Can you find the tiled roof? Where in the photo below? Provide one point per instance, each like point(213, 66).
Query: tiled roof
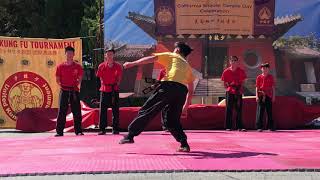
point(287, 19)
point(141, 17)
point(284, 24)
point(146, 23)
point(302, 52)
point(133, 52)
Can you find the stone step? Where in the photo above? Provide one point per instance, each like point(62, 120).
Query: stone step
point(210, 87)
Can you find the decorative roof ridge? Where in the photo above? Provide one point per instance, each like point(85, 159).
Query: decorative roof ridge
point(140, 46)
point(287, 19)
point(134, 15)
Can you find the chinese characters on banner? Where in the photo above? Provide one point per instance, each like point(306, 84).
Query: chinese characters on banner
point(220, 16)
point(240, 17)
point(27, 78)
point(217, 37)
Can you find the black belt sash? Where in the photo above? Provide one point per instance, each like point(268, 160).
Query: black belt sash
point(154, 84)
point(72, 92)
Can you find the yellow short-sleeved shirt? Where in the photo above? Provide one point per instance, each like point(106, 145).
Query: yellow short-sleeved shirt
point(177, 68)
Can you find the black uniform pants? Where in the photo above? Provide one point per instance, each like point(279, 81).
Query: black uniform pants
point(170, 95)
point(261, 107)
point(109, 100)
point(233, 101)
point(164, 119)
point(66, 98)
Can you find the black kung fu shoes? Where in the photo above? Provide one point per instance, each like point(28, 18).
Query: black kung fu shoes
point(184, 147)
point(127, 139)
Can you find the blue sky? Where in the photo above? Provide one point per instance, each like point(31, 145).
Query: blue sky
point(310, 11)
point(118, 28)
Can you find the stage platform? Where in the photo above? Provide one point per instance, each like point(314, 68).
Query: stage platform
point(43, 154)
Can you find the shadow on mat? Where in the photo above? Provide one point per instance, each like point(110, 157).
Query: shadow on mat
point(16, 132)
point(186, 131)
point(209, 155)
point(205, 131)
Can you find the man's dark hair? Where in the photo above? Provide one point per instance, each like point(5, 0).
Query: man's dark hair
point(111, 49)
point(266, 65)
point(235, 58)
point(69, 48)
point(185, 50)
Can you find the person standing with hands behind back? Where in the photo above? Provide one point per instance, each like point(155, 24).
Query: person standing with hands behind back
point(233, 78)
point(68, 76)
point(265, 96)
point(110, 74)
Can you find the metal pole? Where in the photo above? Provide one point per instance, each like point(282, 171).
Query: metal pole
point(100, 23)
point(207, 63)
point(98, 51)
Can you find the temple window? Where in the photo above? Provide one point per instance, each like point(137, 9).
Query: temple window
point(252, 59)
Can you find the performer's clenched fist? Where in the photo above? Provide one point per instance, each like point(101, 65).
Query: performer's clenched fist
point(127, 65)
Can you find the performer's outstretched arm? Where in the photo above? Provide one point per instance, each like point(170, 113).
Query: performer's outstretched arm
point(144, 60)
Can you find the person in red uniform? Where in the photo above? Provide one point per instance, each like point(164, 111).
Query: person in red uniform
point(265, 96)
point(68, 76)
point(110, 74)
point(233, 78)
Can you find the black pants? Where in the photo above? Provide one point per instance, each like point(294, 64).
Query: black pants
point(261, 107)
point(170, 95)
point(164, 118)
point(66, 98)
point(105, 103)
point(233, 101)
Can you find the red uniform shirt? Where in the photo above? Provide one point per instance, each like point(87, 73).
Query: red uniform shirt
point(68, 75)
point(234, 79)
point(109, 75)
point(265, 84)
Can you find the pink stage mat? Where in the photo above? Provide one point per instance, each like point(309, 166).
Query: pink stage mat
point(155, 152)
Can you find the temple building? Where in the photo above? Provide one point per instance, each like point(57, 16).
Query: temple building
point(295, 69)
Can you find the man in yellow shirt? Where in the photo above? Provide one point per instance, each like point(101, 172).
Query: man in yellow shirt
point(175, 92)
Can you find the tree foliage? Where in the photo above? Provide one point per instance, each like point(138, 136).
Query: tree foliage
point(52, 19)
point(90, 28)
point(310, 41)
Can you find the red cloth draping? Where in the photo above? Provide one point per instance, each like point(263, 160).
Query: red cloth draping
point(288, 113)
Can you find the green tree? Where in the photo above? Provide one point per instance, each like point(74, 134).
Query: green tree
point(92, 28)
point(54, 19)
point(63, 18)
point(18, 18)
point(44, 18)
point(309, 41)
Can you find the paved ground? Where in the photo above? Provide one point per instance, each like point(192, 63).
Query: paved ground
point(183, 176)
point(168, 176)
